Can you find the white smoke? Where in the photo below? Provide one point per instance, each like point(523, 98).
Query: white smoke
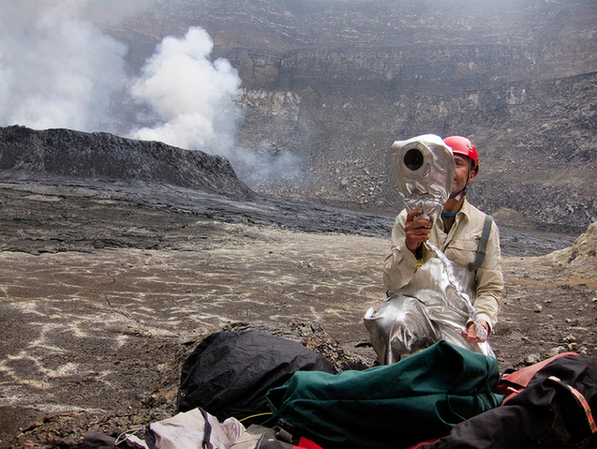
point(263, 167)
point(59, 70)
point(56, 69)
point(192, 97)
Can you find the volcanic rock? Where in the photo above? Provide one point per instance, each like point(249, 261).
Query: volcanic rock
point(104, 156)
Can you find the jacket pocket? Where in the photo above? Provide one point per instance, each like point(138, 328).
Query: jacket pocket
point(462, 251)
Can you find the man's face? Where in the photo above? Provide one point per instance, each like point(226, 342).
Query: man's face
point(463, 174)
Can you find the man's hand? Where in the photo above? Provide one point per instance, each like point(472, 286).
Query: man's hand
point(470, 334)
point(417, 231)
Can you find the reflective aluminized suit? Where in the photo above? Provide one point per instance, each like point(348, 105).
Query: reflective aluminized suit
point(425, 308)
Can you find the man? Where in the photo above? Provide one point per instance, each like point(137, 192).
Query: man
point(458, 234)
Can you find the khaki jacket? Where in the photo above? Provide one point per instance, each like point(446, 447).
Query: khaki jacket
point(460, 246)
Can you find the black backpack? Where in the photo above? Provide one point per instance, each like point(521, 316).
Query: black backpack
point(555, 410)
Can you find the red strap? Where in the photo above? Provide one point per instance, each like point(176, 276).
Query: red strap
point(305, 443)
point(422, 443)
point(514, 383)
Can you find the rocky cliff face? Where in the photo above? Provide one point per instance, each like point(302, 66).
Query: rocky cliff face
point(104, 156)
point(536, 141)
point(336, 82)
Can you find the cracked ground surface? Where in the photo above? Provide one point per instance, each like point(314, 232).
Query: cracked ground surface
point(103, 290)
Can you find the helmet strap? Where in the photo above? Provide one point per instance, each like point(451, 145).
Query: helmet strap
point(458, 196)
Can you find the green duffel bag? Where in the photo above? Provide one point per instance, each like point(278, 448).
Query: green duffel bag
point(391, 406)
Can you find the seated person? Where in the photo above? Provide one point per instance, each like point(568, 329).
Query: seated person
point(422, 317)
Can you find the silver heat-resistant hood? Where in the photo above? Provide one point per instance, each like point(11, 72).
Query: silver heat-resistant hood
point(424, 170)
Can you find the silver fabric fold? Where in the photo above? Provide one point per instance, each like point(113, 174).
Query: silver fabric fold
point(425, 311)
point(456, 287)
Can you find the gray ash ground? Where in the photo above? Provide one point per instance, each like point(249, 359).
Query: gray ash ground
point(105, 287)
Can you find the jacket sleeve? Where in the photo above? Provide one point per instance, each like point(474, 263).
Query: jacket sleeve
point(400, 262)
point(490, 280)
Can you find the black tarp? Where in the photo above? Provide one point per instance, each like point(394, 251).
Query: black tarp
point(229, 373)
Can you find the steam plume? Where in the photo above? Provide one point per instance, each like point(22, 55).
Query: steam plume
point(192, 97)
point(56, 69)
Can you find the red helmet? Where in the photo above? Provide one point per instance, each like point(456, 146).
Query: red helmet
point(461, 145)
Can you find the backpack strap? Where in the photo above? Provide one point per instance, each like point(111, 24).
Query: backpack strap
point(513, 382)
point(481, 250)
